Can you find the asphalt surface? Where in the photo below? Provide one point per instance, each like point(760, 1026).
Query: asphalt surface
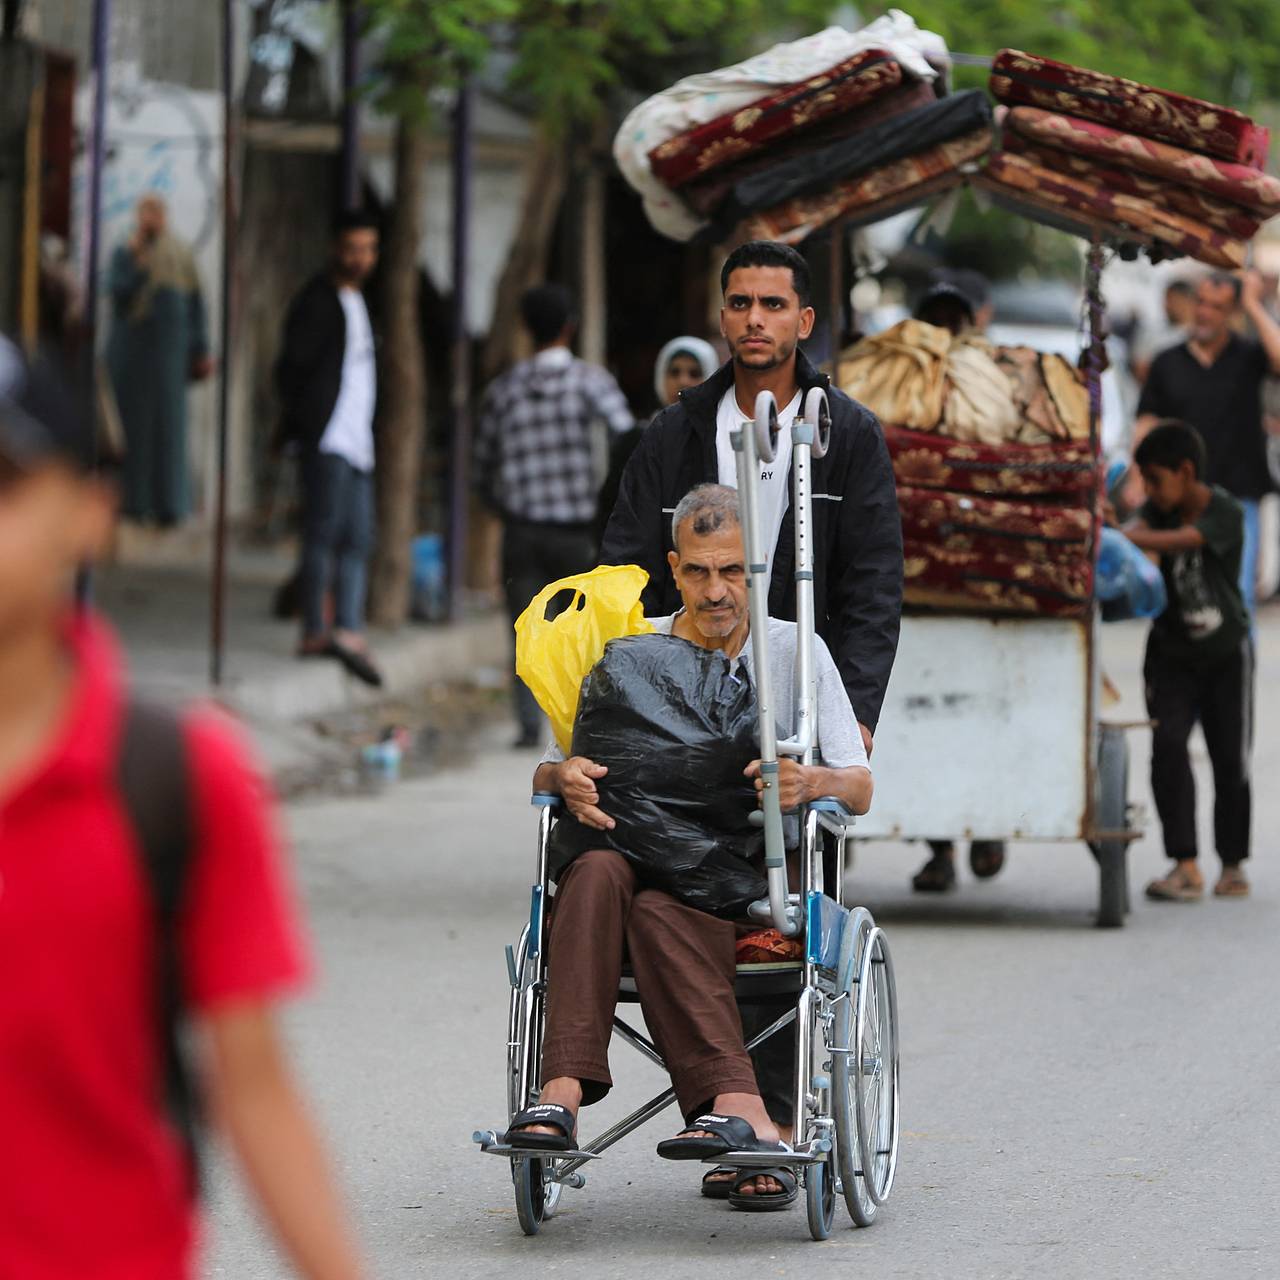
point(1076, 1102)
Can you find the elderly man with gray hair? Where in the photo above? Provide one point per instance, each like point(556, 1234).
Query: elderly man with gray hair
point(683, 959)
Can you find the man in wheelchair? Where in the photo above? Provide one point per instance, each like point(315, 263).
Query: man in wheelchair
point(682, 958)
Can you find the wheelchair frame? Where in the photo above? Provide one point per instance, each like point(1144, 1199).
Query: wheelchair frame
point(847, 1062)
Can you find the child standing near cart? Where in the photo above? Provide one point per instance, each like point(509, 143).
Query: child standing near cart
point(1199, 660)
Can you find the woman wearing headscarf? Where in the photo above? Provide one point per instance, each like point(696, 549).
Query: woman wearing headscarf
point(683, 362)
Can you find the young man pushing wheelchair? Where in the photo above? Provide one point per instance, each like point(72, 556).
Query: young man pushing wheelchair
point(682, 957)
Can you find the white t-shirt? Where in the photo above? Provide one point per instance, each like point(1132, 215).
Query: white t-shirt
point(349, 432)
point(775, 491)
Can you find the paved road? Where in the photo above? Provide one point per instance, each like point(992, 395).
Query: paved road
point(1076, 1102)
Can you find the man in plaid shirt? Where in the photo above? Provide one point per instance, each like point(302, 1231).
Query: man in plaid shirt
point(534, 462)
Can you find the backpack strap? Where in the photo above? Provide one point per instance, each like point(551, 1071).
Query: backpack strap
point(154, 784)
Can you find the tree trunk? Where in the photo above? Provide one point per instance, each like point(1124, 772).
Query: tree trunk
point(403, 388)
point(527, 261)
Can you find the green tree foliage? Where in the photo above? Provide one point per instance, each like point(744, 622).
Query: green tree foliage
point(571, 54)
point(1227, 51)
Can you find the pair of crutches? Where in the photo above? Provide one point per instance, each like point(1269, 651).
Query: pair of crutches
point(753, 444)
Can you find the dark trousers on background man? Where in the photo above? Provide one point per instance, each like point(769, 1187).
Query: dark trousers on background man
point(532, 556)
point(337, 536)
point(1220, 697)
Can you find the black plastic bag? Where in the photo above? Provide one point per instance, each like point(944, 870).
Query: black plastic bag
point(676, 731)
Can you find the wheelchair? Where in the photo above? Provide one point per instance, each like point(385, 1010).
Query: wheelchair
point(845, 1015)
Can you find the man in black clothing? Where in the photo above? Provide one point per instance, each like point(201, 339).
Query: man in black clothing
point(327, 378)
point(1213, 381)
point(857, 530)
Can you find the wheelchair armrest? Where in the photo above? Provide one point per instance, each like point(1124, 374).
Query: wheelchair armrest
point(546, 800)
point(833, 815)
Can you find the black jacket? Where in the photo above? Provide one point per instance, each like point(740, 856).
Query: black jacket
point(858, 543)
point(308, 370)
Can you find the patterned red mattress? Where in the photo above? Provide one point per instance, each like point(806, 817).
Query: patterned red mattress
point(792, 109)
point(926, 460)
point(971, 552)
point(1064, 193)
point(1024, 78)
point(1236, 183)
point(1222, 215)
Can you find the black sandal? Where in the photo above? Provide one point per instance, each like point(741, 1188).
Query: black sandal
point(730, 1133)
point(548, 1113)
point(770, 1200)
point(986, 858)
point(936, 876)
point(722, 1187)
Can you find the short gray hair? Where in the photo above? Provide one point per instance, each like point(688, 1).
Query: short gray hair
point(709, 506)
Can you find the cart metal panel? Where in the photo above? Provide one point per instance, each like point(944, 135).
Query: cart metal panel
point(987, 731)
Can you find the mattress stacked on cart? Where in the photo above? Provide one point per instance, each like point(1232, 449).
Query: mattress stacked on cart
point(856, 115)
point(1184, 176)
point(995, 471)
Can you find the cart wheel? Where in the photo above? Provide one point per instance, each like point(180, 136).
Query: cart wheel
point(820, 1197)
point(531, 1197)
point(817, 411)
point(1112, 815)
point(844, 1108)
point(766, 426)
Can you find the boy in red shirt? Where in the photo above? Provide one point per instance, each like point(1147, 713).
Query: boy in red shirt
point(95, 1179)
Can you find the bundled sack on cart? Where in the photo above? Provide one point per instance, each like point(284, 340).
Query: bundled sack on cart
point(919, 376)
point(676, 730)
point(973, 552)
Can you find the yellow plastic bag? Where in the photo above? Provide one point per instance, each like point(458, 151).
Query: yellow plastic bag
point(553, 656)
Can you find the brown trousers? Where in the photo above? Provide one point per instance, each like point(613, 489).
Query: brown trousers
point(683, 961)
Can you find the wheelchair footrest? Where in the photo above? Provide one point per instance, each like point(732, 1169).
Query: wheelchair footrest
point(808, 1154)
point(492, 1145)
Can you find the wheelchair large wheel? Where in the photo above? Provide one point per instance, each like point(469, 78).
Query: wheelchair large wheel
point(876, 1067)
point(847, 1063)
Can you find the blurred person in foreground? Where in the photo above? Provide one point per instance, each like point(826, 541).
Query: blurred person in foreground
point(958, 301)
point(534, 464)
point(682, 363)
point(327, 377)
point(1199, 660)
point(159, 343)
point(1213, 381)
point(99, 1120)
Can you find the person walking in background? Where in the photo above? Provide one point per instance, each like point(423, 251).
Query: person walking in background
point(1174, 327)
point(327, 378)
point(682, 363)
point(141, 889)
point(1199, 660)
point(1213, 381)
point(534, 463)
point(159, 343)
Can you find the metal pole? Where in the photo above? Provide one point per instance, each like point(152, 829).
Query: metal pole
point(350, 107)
point(460, 462)
point(97, 158)
point(217, 601)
